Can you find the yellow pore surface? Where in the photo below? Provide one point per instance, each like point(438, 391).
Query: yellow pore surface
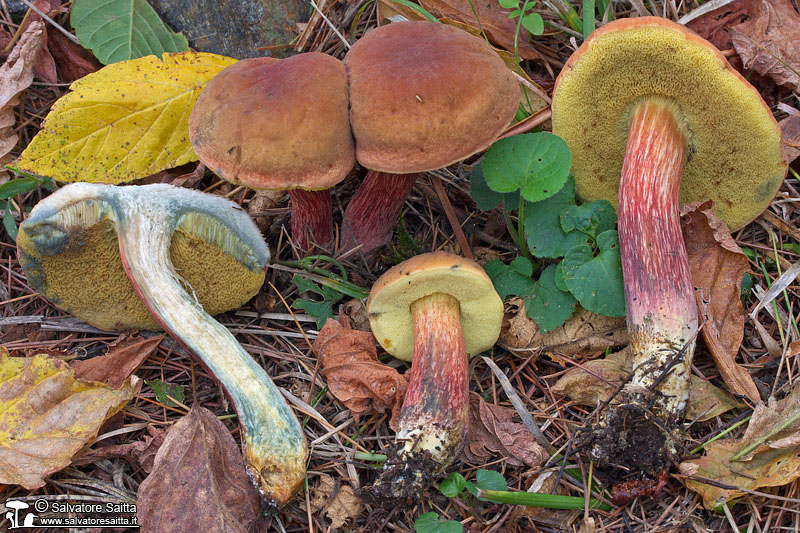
point(734, 153)
point(88, 281)
point(389, 304)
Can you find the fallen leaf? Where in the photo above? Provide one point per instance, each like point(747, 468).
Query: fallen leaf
point(142, 452)
point(490, 17)
point(340, 501)
point(74, 61)
point(770, 468)
point(45, 67)
point(790, 134)
point(122, 359)
point(775, 425)
point(47, 416)
point(585, 333)
point(718, 267)
point(198, 482)
point(595, 381)
point(126, 121)
point(16, 75)
point(492, 432)
point(349, 362)
point(769, 42)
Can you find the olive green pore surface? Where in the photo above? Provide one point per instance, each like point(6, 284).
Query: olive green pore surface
point(734, 152)
point(87, 278)
point(389, 304)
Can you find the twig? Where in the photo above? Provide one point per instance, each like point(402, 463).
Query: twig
point(452, 218)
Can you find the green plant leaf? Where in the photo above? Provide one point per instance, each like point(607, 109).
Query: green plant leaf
point(543, 230)
point(511, 279)
point(547, 305)
point(433, 523)
point(10, 224)
point(453, 485)
point(18, 186)
point(321, 311)
point(116, 30)
point(485, 197)
point(536, 164)
point(559, 277)
point(596, 281)
point(490, 480)
point(534, 23)
point(162, 390)
point(508, 4)
point(592, 218)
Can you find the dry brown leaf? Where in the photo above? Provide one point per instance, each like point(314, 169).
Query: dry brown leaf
point(16, 75)
point(73, 61)
point(349, 363)
point(47, 416)
point(340, 501)
point(770, 468)
point(769, 42)
point(790, 133)
point(595, 381)
point(718, 267)
point(122, 359)
point(493, 20)
point(492, 432)
point(198, 482)
point(585, 333)
point(774, 425)
point(142, 452)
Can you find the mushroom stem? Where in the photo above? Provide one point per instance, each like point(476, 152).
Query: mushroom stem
point(434, 418)
point(312, 222)
point(373, 210)
point(659, 295)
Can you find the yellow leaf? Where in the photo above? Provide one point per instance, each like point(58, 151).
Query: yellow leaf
point(126, 121)
point(47, 416)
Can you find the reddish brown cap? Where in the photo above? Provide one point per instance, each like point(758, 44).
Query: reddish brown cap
point(276, 124)
point(424, 95)
point(734, 153)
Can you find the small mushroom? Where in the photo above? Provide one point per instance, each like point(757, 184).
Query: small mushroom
point(169, 241)
point(277, 125)
point(654, 115)
point(423, 96)
point(437, 309)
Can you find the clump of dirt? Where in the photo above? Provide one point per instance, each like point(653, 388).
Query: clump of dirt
point(403, 481)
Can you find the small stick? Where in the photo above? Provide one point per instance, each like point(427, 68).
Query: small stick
point(452, 218)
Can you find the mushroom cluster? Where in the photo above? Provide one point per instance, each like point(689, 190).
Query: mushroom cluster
point(93, 248)
point(654, 115)
point(409, 97)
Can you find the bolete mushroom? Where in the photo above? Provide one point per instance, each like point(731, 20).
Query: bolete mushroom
point(276, 125)
point(654, 115)
point(437, 309)
point(169, 241)
point(423, 96)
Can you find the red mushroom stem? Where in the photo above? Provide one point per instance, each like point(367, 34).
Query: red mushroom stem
point(634, 436)
point(373, 210)
point(312, 222)
point(434, 418)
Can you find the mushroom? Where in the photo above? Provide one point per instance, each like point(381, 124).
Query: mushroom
point(167, 241)
point(280, 124)
point(655, 114)
point(423, 96)
point(436, 308)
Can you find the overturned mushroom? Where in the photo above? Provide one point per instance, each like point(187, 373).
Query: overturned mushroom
point(437, 308)
point(654, 115)
point(169, 241)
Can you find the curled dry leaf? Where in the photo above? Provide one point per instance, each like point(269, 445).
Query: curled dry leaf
point(73, 60)
point(142, 452)
point(790, 133)
point(340, 501)
point(770, 468)
point(16, 75)
point(198, 482)
point(585, 333)
point(349, 363)
point(492, 432)
point(47, 416)
point(769, 42)
point(122, 359)
point(595, 381)
point(774, 425)
point(718, 267)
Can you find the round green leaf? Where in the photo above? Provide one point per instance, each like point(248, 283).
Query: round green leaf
point(597, 281)
point(547, 305)
point(536, 164)
point(533, 23)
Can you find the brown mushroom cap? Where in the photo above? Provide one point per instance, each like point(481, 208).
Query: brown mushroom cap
point(276, 124)
point(389, 303)
point(734, 155)
point(424, 95)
